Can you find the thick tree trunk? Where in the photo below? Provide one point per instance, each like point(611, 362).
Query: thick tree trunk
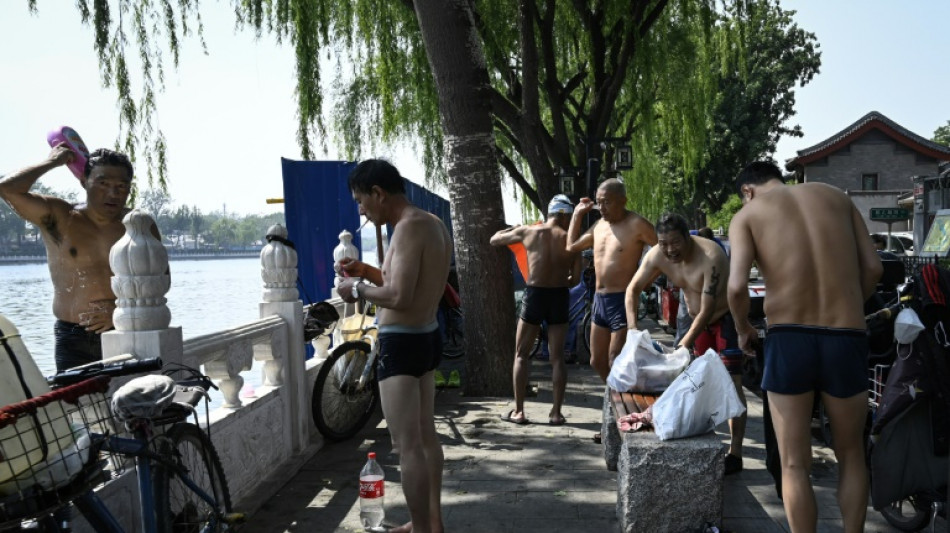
point(461, 79)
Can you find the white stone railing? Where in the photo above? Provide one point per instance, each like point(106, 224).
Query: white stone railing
point(258, 439)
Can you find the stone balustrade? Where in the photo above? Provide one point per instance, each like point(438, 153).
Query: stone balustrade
point(259, 440)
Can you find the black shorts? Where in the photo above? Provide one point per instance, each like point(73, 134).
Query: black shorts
point(75, 346)
point(799, 359)
point(408, 354)
point(545, 304)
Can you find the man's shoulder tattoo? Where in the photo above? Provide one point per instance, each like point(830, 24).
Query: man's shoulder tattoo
point(713, 288)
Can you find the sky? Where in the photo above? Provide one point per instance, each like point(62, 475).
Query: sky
point(229, 116)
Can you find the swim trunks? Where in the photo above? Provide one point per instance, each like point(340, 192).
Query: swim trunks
point(800, 359)
point(74, 345)
point(721, 336)
point(610, 310)
point(408, 352)
point(545, 304)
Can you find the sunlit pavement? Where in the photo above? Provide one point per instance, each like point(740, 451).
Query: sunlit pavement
point(502, 477)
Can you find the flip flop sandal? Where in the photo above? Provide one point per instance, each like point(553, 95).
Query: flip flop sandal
point(520, 421)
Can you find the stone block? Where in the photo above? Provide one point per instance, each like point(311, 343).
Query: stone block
point(674, 485)
point(609, 434)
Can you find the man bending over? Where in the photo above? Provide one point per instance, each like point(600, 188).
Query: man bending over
point(700, 268)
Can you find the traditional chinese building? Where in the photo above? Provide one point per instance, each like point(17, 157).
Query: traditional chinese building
point(874, 161)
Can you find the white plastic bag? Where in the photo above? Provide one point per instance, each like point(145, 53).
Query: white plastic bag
point(641, 367)
point(701, 398)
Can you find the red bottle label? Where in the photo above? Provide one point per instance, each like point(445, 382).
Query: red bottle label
point(371, 489)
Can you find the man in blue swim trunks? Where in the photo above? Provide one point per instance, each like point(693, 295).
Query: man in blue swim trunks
point(812, 246)
point(700, 268)
point(407, 290)
point(618, 239)
point(551, 271)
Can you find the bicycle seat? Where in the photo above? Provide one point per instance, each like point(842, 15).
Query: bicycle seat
point(157, 398)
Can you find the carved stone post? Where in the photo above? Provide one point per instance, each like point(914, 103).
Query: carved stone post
point(284, 362)
point(140, 281)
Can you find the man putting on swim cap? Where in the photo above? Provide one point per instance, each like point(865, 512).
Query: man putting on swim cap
point(551, 271)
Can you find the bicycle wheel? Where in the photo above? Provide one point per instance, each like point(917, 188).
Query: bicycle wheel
point(339, 409)
point(911, 514)
point(585, 330)
point(178, 509)
point(453, 334)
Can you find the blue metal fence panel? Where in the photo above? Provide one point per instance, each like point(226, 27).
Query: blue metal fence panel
point(317, 206)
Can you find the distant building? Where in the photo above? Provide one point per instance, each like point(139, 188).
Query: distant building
point(874, 161)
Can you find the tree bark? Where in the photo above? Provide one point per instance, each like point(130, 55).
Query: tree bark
point(462, 84)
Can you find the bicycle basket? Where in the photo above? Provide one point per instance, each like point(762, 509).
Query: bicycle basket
point(49, 448)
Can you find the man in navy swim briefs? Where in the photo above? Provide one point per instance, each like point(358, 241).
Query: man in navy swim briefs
point(551, 271)
point(618, 240)
point(811, 245)
point(407, 290)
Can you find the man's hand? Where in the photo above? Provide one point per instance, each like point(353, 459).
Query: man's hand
point(352, 268)
point(61, 155)
point(748, 337)
point(98, 317)
point(584, 206)
point(345, 289)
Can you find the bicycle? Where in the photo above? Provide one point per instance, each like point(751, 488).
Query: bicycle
point(452, 325)
point(182, 486)
point(346, 393)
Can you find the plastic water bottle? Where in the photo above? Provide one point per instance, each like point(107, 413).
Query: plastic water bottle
point(371, 493)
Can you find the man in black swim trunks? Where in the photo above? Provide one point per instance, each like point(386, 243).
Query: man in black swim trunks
point(407, 290)
point(811, 245)
point(700, 268)
point(551, 271)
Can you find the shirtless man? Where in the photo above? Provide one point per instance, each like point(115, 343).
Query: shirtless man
point(407, 290)
point(618, 239)
point(552, 270)
point(812, 247)
point(78, 239)
point(700, 268)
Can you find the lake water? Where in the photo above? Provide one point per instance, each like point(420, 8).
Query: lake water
point(205, 296)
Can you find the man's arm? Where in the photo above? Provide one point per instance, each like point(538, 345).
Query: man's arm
point(643, 277)
point(15, 188)
point(508, 236)
point(742, 250)
point(575, 275)
point(575, 241)
point(869, 262)
point(646, 231)
point(713, 280)
point(358, 269)
point(407, 247)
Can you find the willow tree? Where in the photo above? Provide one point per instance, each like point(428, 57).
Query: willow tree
point(561, 77)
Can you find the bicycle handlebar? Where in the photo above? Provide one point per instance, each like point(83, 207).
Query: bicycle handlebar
point(123, 368)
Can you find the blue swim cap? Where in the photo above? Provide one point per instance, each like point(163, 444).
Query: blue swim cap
point(560, 204)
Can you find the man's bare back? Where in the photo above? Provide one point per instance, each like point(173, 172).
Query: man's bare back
point(812, 260)
point(420, 252)
point(549, 262)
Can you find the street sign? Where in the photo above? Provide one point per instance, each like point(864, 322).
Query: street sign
point(889, 214)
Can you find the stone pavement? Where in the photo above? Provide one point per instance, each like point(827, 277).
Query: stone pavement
point(502, 477)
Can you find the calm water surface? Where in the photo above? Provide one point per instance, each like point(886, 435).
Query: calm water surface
point(205, 296)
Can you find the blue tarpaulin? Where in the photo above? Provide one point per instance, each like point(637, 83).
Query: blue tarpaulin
point(318, 206)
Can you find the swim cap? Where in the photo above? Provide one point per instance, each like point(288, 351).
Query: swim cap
point(560, 204)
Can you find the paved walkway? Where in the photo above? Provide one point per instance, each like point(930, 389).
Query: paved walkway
point(502, 477)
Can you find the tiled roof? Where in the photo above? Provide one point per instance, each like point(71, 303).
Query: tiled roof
point(872, 120)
